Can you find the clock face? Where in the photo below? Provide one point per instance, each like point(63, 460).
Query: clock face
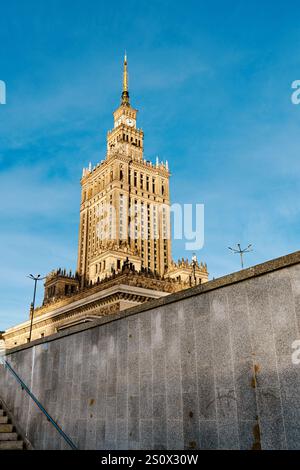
point(130, 122)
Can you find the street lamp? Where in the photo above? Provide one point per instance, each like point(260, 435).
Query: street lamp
point(35, 279)
point(194, 264)
point(241, 252)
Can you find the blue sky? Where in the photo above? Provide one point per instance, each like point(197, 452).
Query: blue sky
point(212, 82)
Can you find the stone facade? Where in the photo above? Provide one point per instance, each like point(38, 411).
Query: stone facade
point(125, 204)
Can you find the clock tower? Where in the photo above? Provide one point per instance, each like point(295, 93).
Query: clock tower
point(125, 131)
point(124, 213)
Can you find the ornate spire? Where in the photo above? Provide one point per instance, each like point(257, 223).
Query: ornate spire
point(125, 93)
point(125, 74)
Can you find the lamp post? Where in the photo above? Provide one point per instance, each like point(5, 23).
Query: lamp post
point(194, 264)
point(241, 252)
point(35, 279)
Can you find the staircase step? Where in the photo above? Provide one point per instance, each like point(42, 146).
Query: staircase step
point(11, 445)
point(6, 428)
point(3, 419)
point(8, 436)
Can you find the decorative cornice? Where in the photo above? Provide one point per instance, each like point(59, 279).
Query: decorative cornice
point(88, 303)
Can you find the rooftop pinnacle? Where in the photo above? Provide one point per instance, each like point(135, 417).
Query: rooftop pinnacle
point(125, 93)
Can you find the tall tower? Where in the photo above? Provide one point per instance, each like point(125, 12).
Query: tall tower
point(124, 212)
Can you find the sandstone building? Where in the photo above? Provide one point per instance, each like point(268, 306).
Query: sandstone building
point(124, 248)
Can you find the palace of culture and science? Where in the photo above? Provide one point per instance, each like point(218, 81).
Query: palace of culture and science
point(124, 248)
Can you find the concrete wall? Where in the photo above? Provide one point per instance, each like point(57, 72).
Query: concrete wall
point(207, 368)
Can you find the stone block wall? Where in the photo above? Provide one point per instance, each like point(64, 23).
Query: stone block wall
point(207, 368)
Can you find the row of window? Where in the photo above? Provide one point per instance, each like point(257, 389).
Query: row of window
point(145, 183)
point(128, 138)
point(138, 180)
point(100, 267)
point(124, 137)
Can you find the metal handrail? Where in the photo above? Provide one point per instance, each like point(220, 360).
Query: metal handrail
point(49, 418)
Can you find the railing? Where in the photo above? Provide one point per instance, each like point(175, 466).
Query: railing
point(51, 420)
